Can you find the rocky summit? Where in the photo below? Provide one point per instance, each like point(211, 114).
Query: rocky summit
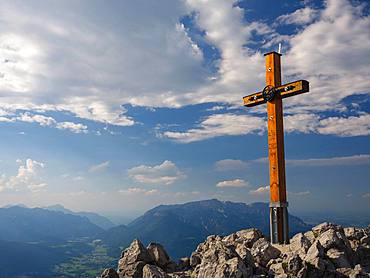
point(327, 250)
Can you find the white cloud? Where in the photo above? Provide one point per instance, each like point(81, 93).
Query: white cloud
point(361, 159)
point(345, 127)
point(28, 176)
point(232, 183)
point(75, 128)
point(40, 119)
point(137, 190)
point(219, 125)
point(300, 17)
point(60, 61)
point(230, 164)
point(165, 173)
point(333, 53)
point(260, 190)
point(99, 167)
point(51, 122)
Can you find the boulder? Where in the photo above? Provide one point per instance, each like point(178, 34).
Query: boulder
point(152, 271)
point(263, 251)
point(229, 268)
point(134, 253)
point(247, 237)
point(315, 251)
point(133, 259)
point(158, 255)
point(300, 244)
point(109, 273)
point(218, 260)
point(338, 258)
point(134, 270)
point(323, 227)
point(184, 264)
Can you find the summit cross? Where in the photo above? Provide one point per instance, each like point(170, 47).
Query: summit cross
point(273, 94)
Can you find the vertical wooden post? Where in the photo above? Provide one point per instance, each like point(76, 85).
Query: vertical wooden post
point(278, 200)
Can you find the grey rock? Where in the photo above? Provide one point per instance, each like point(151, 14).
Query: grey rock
point(323, 227)
point(300, 243)
point(329, 239)
point(245, 254)
point(338, 258)
point(247, 237)
point(134, 270)
point(263, 251)
point(152, 271)
point(133, 260)
point(134, 253)
point(109, 273)
point(217, 259)
point(310, 236)
point(315, 251)
point(195, 259)
point(158, 255)
point(356, 272)
point(353, 233)
point(184, 264)
point(230, 268)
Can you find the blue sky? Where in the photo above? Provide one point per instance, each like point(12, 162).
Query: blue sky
point(121, 106)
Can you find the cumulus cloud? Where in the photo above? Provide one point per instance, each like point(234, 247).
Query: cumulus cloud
point(219, 125)
point(28, 177)
point(73, 127)
point(232, 183)
point(99, 167)
point(50, 122)
point(74, 65)
point(165, 173)
point(260, 190)
point(230, 165)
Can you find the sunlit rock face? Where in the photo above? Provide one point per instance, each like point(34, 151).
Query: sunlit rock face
point(328, 250)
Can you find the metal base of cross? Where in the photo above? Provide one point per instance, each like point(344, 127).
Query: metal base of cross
point(279, 226)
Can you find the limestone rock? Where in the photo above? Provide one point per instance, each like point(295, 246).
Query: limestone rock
point(158, 255)
point(133, 259)
point(263, 251)
point(134, 270)
point(134, 253)
point(248, 237)
point(322, 228)
point(184, 264)
point(338, 258)
point(315, 251)
point(109, 273)
point(300, 244)
point(218, 260)
point(152, 271)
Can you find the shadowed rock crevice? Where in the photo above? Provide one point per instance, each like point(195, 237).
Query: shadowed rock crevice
point(328, 250)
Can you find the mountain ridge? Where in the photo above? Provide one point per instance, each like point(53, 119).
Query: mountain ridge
point(180, 227)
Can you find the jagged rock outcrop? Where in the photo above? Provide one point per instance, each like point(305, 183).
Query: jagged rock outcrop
point(328, 250)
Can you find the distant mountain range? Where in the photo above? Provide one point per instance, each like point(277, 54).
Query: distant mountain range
point(180, 228)
point(42, 225)
point(94, 218)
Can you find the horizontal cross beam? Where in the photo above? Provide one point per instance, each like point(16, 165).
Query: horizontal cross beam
point(286, 90)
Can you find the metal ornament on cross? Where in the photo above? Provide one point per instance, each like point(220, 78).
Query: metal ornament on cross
point(273, 94)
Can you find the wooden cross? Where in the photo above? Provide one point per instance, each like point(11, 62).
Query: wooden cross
point(273, 94)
